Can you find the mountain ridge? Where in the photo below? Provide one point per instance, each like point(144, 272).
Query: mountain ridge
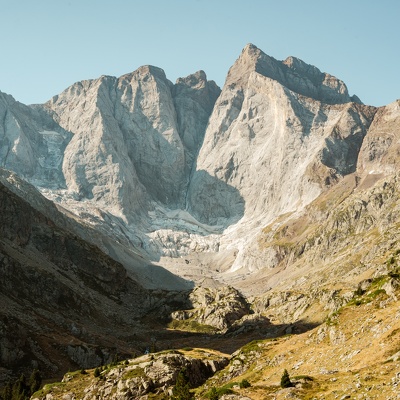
point(106, 160)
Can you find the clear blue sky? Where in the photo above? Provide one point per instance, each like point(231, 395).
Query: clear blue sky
point(47, 45)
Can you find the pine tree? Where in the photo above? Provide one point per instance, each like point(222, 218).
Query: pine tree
point(20, 389)
point(181, 389)
point(35, 380)
point(285, 380)
point(7, 392)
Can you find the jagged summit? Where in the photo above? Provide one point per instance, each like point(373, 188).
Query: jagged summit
point(145, 70)
point(6, 98)
point(292, 73)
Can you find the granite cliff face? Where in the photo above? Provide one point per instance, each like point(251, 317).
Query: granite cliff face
point(31, 142)
point(279, 133)
point(134, 138)
point(177, 168)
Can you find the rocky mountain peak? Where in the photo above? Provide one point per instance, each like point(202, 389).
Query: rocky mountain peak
point(292, 73)
point(6, 98)
point(279, 185)
point(145, 71)
point(198, 78)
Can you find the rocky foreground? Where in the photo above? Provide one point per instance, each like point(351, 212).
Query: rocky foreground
point(354, 353)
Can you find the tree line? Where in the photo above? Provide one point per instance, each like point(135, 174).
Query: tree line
point(22, 388)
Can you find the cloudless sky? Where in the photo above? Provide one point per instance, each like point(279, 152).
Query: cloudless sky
point(47, 45)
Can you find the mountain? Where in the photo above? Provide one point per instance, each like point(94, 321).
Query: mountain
point(186, 166)
point(65, 303)
point(280, 134)
point(255, 210)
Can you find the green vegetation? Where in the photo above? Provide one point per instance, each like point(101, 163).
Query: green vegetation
point(22, 389)
point(375, 293)
point(224, 390)
point(134, 373)
point(303, 377)
point(251, 346)
point(213, 394)
point(181, 390)
point(332, 319)
point(244, 384)
point(190, 325)
point(48, 388)
point(285, 380)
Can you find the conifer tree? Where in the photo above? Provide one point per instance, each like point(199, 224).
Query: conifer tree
point(7, 392)
point(35, 380)
point(181, 389)
point(20, 389)
point(285, 380)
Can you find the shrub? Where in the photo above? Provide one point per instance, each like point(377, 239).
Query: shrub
point(213, 394)
point(244, 384)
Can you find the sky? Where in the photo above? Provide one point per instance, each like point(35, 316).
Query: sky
point(47, 45)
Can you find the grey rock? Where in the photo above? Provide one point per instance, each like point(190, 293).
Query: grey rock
point(379, 152)
point(268, 149)
point(219, 308)
point(31, 143)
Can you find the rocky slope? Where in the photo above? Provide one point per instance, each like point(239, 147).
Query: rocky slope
point(64, 302)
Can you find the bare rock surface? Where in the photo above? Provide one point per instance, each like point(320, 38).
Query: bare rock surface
point(134, 140)
point(142, 377)
point(269, 149)
point(219, 308)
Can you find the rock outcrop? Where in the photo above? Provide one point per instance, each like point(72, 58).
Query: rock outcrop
point(380, 149)
point(277, 138)
point(138, 378)
point(218, 308)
